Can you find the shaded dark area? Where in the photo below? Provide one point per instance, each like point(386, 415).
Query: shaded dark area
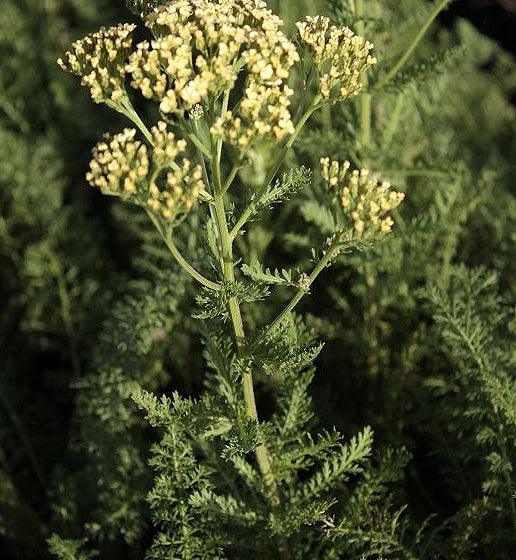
point(494, 18)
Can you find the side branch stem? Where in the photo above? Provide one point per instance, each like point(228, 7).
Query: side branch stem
point(439, 7)
point(183, 263)
point(300, 294)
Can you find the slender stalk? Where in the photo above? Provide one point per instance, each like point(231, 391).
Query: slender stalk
point(225, 103)
point(192, 136)
point(439, 7)
point(300, 294)
point(231, 176)
point(127, 109)
point(261, 453)
point(183, 263)
point(196, 133)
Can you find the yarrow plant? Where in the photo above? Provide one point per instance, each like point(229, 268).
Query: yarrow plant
point(221, 74)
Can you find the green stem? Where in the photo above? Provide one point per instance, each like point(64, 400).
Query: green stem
point(439, 7)
point(225, 103)
point(300, 294)
point(192, 136)
point(183, 263)
point(196, 133)
point(231, 177)
point(127, 109)
point(261, 453)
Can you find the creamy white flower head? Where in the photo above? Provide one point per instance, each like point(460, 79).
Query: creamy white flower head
point(100, 59)
point(339, 55)
point(120, 165)
point(263, 111)
point(200, 49)
point(365, 200)
point(124, 166)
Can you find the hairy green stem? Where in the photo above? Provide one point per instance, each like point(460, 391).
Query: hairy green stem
point(439, 7)
point(262, 455)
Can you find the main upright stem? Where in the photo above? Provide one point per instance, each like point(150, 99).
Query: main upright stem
point(262, 455)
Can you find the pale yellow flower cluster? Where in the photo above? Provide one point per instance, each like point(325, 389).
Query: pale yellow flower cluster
point(100, 60)
point(180, 192)
point(121, 166)
point(340, 56)
point(166, 147)
point(263, 110)
point(200, 47)
point(366, 201)
point(334, 172)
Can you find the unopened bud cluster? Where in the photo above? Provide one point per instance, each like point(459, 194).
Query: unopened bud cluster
point(365, 200)
point(122, 166)
point(339, 55)
point(100, 60)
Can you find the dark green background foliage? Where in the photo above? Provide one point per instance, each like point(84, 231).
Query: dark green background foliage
point(419, 333)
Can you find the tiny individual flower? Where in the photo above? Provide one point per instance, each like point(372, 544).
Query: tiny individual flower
point(364, 199)
point(125, 167)
point(100, 60)
point(333, 172)
point(340, 56)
